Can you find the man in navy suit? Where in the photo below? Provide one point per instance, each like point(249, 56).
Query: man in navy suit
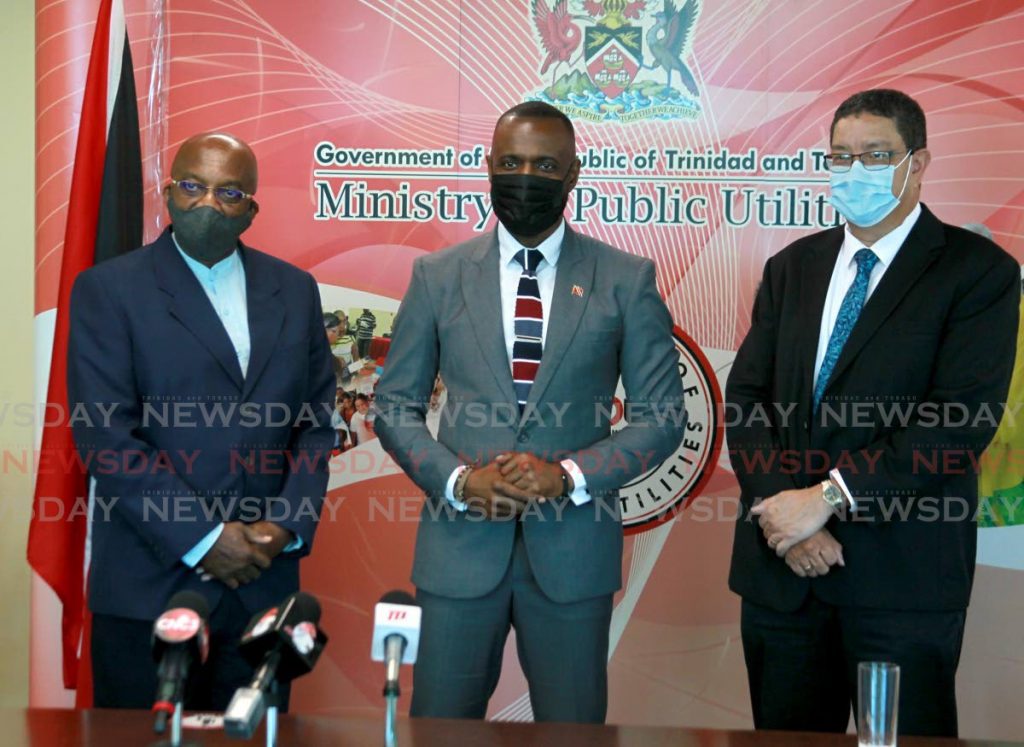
point(204, 367)
point(879, 350)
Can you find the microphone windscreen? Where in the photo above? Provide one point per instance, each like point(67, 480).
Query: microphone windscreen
point(190, 600)
point(398, 596)
point(303, 607)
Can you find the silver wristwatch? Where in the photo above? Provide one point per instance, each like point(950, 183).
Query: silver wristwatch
point(832, 495)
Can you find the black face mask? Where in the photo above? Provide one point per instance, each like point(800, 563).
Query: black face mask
point(205, 234)
point(525, 204)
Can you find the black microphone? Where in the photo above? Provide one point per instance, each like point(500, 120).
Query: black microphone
point(283, 643)
point(396, 635)
point(180, 639)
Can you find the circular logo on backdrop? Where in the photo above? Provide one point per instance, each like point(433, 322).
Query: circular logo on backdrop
point(661, 492)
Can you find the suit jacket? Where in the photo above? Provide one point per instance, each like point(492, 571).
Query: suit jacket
point(903, 415)
point(176, 439)
point(450, 322)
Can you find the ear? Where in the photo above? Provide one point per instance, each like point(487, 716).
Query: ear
point(919, 162)
point(254, 207)
point(490, 166)
point(573, 175)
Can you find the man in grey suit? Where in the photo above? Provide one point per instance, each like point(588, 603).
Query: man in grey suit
point(530, 327)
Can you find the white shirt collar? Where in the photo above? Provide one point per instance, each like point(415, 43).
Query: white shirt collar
point(550, 248)
point(886, 247)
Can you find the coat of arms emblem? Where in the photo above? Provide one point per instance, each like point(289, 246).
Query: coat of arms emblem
point(619, 60)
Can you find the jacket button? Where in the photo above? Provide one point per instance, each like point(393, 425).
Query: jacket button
point(523, 438)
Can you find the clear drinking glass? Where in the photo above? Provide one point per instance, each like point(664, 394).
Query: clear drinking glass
point(878, 694)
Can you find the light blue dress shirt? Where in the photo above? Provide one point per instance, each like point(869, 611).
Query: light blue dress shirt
point(224, 285)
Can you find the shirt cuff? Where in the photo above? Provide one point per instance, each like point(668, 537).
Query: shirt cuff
point(198, 552)
point(295, 544)
point(837, 478)
point(449, 489)
point(579, 494)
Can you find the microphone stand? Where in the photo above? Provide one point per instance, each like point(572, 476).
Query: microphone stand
point(176, 725)
point(394, 646)
point(389, 720)
point(176, 731)
point(272, 715)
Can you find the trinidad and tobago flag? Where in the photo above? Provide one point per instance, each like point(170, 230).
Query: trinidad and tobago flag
point(104, 220)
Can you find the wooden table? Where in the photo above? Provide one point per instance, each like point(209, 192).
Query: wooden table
point(67, 728)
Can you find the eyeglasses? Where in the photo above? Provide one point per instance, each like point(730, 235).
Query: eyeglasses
point(225, 195)
point(872, 160)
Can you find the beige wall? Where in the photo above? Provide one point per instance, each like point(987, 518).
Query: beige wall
point(17, 147)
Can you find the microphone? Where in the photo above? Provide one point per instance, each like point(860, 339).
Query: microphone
point(283, 643)
point(396, 635)
point(180, 639)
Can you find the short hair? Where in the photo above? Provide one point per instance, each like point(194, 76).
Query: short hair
point(540, 110)
point(362, 398)
point(887, 102)
point(331, 320)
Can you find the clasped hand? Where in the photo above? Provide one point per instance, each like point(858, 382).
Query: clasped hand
point(243, 551)
point(793, 524)
point(503, 488)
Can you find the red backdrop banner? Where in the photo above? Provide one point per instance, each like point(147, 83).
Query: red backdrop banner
point(370, 120)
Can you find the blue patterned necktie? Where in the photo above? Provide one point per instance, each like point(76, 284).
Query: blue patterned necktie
point(850, 309)
point(529, 325)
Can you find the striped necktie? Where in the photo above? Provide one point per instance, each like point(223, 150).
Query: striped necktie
point(849, 311)
point(529, 325)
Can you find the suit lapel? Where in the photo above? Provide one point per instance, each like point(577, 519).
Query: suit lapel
point(481, 293)
point(914, 257)
point(817, 274)
point(187, 302)
point(575, 268)
point(266, 314)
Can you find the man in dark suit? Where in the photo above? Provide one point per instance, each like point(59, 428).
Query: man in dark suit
point(530, 327)
point(207, 376)
point(878, 352)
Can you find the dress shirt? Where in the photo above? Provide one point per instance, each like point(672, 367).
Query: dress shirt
point(843, 276)
point(510, 271)
point(224, 285)
point(845, 271)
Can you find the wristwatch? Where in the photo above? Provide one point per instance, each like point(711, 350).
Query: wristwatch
point(565, 484)
point(459, 489)
point(832, 495)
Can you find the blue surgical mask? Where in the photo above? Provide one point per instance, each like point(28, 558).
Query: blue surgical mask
point(865, 197)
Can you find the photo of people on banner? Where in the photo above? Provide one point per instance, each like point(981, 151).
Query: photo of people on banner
point(359, 340)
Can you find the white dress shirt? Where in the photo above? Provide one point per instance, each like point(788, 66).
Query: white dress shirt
point(509, 272)
point(843, 275)
point(845, 272)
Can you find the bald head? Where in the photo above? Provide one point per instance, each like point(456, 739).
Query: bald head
point(210, 195)
point(223, 157)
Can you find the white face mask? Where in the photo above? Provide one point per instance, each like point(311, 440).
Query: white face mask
point(865, 197)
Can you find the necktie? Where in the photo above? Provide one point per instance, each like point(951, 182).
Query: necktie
point(850, 309)
point(529, 325)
